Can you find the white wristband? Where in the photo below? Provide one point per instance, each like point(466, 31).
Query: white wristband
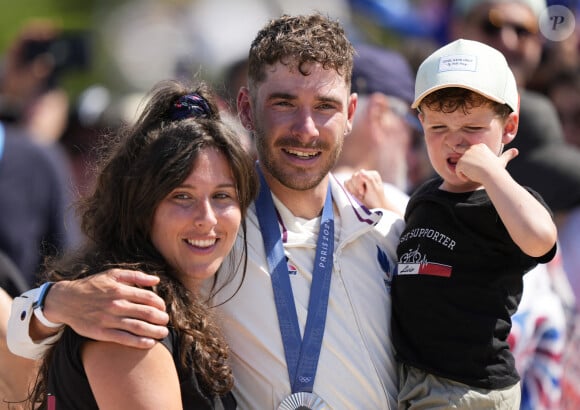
point(38, 306)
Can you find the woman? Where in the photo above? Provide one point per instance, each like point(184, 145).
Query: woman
point(169, 200)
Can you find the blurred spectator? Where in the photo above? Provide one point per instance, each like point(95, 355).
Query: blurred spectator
point(234, 77)
point(35, 219)
point(30, 95)
point(564, 91)
point(562, 54)
point(509, 26)
point(386, 136)
point(35, 176)
point(227, 83)
point(92, 117)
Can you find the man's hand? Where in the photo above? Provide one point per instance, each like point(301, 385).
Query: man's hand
point(111, 307)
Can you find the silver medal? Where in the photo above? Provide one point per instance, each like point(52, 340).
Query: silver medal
point(303, 401)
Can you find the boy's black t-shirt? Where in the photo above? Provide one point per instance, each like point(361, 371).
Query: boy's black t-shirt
point(458, 282)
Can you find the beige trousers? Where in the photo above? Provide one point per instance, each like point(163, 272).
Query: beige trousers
point(419, 390)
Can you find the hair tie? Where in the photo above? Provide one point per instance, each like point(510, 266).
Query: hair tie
point(190, 106)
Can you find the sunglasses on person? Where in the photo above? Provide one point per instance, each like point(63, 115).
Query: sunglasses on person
point(494, 28)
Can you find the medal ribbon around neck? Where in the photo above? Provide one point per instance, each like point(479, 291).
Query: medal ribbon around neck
point(301, 354)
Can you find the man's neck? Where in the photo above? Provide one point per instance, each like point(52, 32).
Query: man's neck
point(305, 204)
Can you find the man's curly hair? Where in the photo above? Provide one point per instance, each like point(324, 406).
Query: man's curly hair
point(297, 40)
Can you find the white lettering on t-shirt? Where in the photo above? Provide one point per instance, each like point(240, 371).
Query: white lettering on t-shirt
point(432, 234)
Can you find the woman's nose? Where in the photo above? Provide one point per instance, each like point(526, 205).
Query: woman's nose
point(205, 215)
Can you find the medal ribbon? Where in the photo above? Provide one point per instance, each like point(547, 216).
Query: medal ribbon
point(301, 354)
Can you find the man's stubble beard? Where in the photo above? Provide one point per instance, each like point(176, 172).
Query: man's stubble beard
point(294, 180)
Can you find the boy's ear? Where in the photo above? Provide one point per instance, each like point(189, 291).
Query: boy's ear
point(510, 128)
point(420, 116)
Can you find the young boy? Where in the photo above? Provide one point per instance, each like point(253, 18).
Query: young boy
point(471, 235)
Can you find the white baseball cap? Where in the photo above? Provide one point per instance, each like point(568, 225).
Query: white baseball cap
point(468, 64)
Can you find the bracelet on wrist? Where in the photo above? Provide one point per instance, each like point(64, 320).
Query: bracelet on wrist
point(38, 306)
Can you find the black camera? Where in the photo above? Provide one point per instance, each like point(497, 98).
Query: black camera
point(68, 51)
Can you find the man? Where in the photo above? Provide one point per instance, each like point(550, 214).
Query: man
point(386, 136)
point(299, 107)
point(35, 220)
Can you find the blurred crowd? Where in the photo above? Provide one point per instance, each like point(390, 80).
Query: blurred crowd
point(48, 137)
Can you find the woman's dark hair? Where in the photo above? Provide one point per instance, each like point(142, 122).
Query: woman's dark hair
point(144, 163)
